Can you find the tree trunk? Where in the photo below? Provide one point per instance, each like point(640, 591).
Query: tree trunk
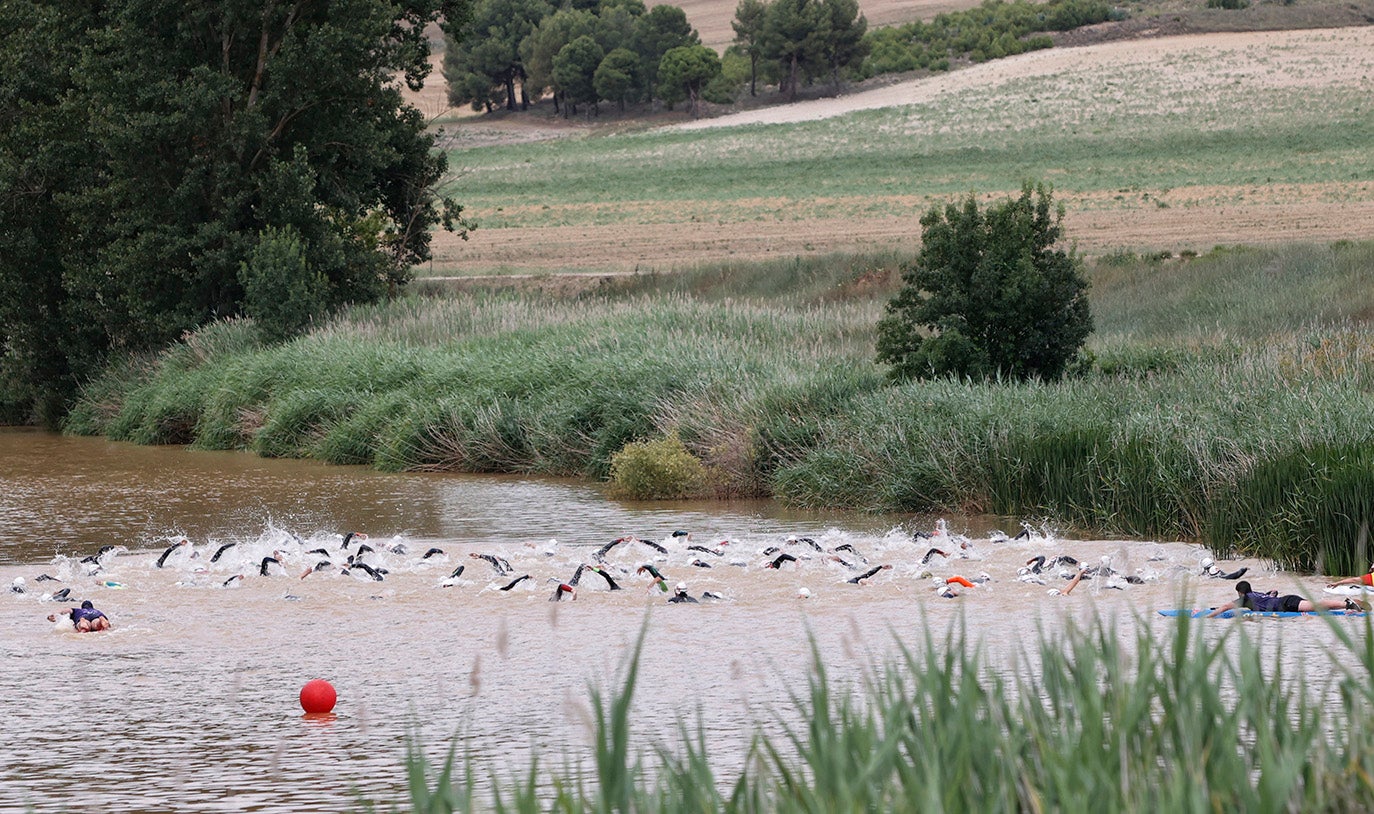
point(510, 91)
point(753, 75)
point(792, 81)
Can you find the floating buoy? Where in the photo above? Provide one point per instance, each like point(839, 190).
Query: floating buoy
point(318, 696)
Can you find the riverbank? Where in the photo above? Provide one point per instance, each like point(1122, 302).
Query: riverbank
point(1226, 399)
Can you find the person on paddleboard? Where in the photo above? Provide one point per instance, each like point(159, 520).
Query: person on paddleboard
point(1250, 600)
point(86, 619)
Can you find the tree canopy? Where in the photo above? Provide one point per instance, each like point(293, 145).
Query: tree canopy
point(989, 295)
point(148, 147)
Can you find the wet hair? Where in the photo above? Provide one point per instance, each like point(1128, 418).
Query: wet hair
point(1243, 587)
point(87, 604)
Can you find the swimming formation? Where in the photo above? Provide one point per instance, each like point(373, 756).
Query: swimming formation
point(946, 564)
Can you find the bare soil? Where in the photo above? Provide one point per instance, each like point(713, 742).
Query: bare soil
point(1196, 220)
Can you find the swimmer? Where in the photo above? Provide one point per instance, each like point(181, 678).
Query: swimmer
point(433, 552)
point(782, 558)
point(237, 578)
point(267, 562)
point(931, 553)
point(659, 580)
point(1366, 579)
point(61, 596)
point(852, 550)
point(651, 544)
point(181, 541)
point(374, 573)
point(713, 551)
point(96, 557)
point(793, 539)
point(699, 564)
point(321, 551)
point(1073, 583)
point(351, 536)
point(862, 578)
point(319, 566)
point(1036, 564)
point(515, 582)
point(502, 567)
point(600, 555)
point(680, 594)
point(610, 582)
point(452, 579)
point(577, 575)
point(563, 588)
point(45, 578)
point(17, 587)
point(220, 551)
point(86, 619)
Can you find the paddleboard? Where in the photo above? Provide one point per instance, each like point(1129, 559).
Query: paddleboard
point(1348, 590)
point(1197, 614)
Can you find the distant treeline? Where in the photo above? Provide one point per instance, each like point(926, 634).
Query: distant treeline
point(512, 52)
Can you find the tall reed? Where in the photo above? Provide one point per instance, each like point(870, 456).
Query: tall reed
point(1095, 719)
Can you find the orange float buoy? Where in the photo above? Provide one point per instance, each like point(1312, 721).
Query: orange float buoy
point(318, 696)
point(957, 580)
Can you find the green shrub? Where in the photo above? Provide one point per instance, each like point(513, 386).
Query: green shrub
point(657, 470)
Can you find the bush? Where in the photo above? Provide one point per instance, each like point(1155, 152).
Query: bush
point(657, 470)
point(988, 296)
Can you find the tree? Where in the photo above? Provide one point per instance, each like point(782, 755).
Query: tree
point(748, 24)
point(281, 292)
point(845, 43)
point(487, 50)
point(574, 69)
point(988, 295)
point(167, 138)
point(546, 40)
point(685, 71)
point(794, 34)
point(616, 76)
point(656, 33)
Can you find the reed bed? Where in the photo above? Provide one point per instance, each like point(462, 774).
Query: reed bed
point(1251, 432)
point(1096, 719)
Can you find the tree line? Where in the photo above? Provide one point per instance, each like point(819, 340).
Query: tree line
point(584, 52)
point(164, 165)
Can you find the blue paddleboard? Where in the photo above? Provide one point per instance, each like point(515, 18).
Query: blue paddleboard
point(1197, 614)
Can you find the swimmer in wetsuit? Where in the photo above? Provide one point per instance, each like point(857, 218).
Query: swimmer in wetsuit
point(680, 594)
point(782, 558)
point(173, 547)
point(563, 588)
point(502, 567)
point(86, 619)
point(516, 582)
point(658, 580)
point(610, 582)
point(860, 579)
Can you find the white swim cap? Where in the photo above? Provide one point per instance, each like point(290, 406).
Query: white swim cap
point(1207, 562)
point(1106, 560)
point(803, 593)
point(1054, 592)
point(682, 586)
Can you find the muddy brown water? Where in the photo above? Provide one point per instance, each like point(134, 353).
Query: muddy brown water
point(191, 702)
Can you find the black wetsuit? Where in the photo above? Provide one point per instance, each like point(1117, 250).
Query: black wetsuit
point(577, 575)
point(516, 582)
point(432, 552)
point(168, 553)
point(369, 570)
point(865, 575)
point(610, 583)
point(681, 597)
point(266, 561)
point(1036, 564)
point(563, 588)
point(808, 541)
point(705, 550)
point(782, 558)
point(502, 567)
point(655, 546)
point(219, 552)
point(457, 572)
point(932, 553)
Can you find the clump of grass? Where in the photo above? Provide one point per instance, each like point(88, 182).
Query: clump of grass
point(1094, 719)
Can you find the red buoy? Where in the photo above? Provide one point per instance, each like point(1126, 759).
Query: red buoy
point(318, 696)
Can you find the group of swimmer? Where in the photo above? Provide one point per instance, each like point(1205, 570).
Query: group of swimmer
point(356, 555)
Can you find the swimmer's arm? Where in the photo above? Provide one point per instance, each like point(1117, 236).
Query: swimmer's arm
point(1346, 581)
point(1221, 610)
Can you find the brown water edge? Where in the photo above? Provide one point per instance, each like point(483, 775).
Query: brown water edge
point(190, 704)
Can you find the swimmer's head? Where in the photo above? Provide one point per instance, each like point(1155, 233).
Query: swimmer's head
point(803, 593)
point(1208, 562)
point(87, 605)
point(681, 588)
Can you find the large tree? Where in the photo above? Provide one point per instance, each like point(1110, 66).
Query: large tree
point(656, 33)
point(167, 139)
point(989, 295)
point(483, 58)
point(685, 71)
point(794, 34)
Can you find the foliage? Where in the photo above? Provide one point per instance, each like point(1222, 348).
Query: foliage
point(685, 72)
point(1098, 717)
point(794, 35)
point(664, 28)
point(993, 30)
point(616, 78)
point(280, 290)
point(989, 295)
point(482, 59)
point(160, 141)
point(663, 469)
point(574, 69)
point(748, 25)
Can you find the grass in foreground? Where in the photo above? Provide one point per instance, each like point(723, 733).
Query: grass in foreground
point(1092, 720)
